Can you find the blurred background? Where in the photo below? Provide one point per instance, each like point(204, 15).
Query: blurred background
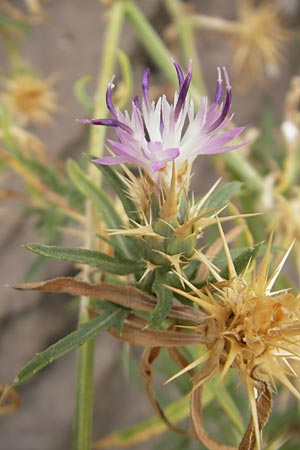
point(61, 41)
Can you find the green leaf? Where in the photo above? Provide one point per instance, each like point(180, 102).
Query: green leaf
point(85, 332)
point(92, 258)
point(80, 94)
point(104, 205)
point(221, 196)
point(114, 180)
point(48, 174)
point(240, 262)
point(89, 189)
point(164, 298)
point(111, 307)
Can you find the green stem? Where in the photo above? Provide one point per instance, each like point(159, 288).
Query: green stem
point(151, 41)
point(243, 170)
point(216, 24)
point(83, 420)
point(182, 21)
point(154, 45)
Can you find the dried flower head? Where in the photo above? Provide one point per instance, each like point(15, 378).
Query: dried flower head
point(253, 330)
point(290, 126)
point(29, 98)
point(158, 133)
point(258, 38)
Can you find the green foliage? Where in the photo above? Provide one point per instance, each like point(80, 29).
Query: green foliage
point(240, 263)
point(164, 298)
point(221, 196)
point(115, 181)
point(91, 258)
point(104, 205)
point(85, 332)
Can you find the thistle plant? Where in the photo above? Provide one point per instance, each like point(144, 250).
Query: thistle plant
point(178, 273)
point(242, 325)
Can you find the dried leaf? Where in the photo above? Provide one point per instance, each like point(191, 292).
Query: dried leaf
point(196, 400)
point(196, 414)
point(135, 332)
point(148, 358)
point(9, 400)
point(124, 295)
point(264, 408)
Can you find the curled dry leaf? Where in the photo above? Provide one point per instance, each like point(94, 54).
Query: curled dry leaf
point(125, 295)
point(199, 431)
point(148, 358)
point(135, 332)
point(9, 400)
point(264, 408)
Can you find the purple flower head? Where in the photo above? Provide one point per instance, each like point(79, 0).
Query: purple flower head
point(158, 133)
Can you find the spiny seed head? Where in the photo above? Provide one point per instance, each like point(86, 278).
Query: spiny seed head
point(249, 328)
point(172, 235)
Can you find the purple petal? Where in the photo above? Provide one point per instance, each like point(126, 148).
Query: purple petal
point(219, 89)
point(109, 102)
point(227, 104)
point(122, 149)
point(217, 150)
point(179, 73)
point(108, 123)
point(161, 125)
point(111, 160)
point(169, 155)
point(223, 114)
point(216, 144)
point(183, 92)
point(155, 146)
point(145, 86)
point(136, 103)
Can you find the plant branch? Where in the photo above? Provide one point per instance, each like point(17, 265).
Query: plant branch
point(84, 396)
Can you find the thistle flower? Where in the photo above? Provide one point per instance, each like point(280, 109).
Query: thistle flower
point(158, 133)
point(29, 98)
point(251, 329)
point(257, 38)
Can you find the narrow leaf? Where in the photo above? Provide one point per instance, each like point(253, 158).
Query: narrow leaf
point(221, 196)
point(240, 262)
point(120, 189)
point(92, 258)
point(103, 204)
point(123, 295)
point(164, 299)
point(85, 332)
